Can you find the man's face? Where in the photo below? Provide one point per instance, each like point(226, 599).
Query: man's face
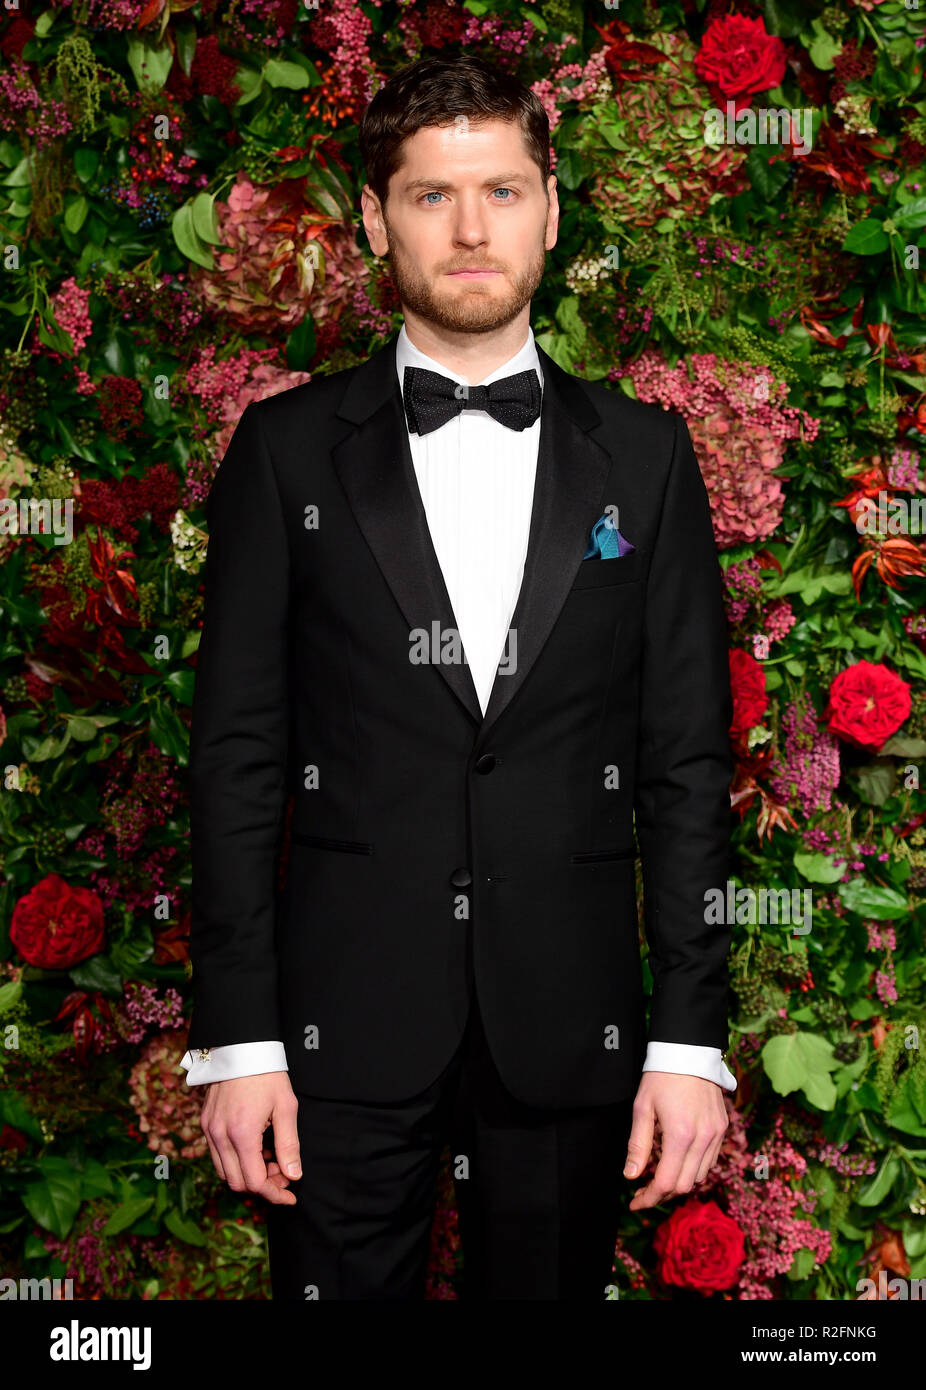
point(466, 198)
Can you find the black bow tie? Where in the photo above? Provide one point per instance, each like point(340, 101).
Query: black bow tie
point(432, 399)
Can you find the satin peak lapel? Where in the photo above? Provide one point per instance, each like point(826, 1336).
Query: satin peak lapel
point(374, 464)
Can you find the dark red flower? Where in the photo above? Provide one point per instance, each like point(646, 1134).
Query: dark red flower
point(700, 1247)
point(55, 925)
point(738, 56)
point(867, 704)
point(747, 685)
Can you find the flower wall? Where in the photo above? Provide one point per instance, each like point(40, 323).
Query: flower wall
point(743, 190)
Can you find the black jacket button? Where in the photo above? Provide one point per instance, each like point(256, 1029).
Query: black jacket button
point(461, 878)
point(485, 763)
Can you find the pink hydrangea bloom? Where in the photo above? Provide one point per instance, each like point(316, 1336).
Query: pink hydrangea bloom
point(739, 426)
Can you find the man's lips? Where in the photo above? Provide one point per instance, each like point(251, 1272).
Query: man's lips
point(472, 274)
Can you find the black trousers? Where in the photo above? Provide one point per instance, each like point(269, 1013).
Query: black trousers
point(539, 1192)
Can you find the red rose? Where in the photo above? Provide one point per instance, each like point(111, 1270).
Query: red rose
point(739, 56)
point(747, 686)
point(700, 1247)
point(867, 704)
point(55, 926)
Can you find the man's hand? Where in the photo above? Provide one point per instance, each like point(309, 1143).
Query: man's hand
point(234, 1117)
point(693, 1120)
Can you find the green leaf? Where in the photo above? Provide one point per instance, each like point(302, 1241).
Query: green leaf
point(99, 975)
point(188, 240)
point(912, 214)
point(866, 238)
point(278, 73)
point(871, 900)
point(204, 219)
point(875, 1191)
point(818, 868)
point(185, 39)
point(824, 49)
point(877, 781)
point(82, 729)
point(801, 1062)
point(802, 1264)
point(95, 1180)
point(169, 733)
point(183, 1230)
point(86, 163)
point(126, 1214)
point(767, 179)
point(21, 176)
point(13, 1111)
point(785, 18)
point(300, 345)
point(904, 746)
point(249, 83)
point(9, 993)
point(180, 684)
point(76, 214)
point(150, 66)
point(44, 22)
point(55, 1200)
point(570, 168)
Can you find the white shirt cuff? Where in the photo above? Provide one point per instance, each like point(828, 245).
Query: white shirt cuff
point(690, 1060)
point(203, 1065)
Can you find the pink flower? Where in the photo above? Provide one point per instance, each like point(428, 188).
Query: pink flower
point(739, 425)
point(282, 260)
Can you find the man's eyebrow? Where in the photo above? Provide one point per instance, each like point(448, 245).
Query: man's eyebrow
point(441, 184)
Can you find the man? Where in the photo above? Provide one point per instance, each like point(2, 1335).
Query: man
point(402, 633)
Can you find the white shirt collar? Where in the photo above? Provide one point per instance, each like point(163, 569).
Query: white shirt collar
point(407, 355)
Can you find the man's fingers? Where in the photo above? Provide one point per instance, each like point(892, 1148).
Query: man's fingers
point(675, 1148)
point(229, 1160)
point(216, 1158)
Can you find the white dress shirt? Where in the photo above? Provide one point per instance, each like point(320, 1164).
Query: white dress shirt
point(476, 479)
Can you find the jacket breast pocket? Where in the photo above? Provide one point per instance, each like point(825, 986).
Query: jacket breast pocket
point(323, 842)
point(620, 569)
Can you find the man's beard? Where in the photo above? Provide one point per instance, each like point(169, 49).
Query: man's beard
point(473, 312)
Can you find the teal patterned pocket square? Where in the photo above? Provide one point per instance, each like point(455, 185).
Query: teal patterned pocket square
point(606, 542)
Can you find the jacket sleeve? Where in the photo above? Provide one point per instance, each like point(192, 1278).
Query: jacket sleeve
point(684, 764)
point(238, 749)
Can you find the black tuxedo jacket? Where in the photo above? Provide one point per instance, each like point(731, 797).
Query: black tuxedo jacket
point(430, 844)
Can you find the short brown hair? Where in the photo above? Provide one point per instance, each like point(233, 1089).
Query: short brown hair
point(435, 92)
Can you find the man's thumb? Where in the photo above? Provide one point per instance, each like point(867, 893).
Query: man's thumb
point(640, 1144)
point(286, 1143)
